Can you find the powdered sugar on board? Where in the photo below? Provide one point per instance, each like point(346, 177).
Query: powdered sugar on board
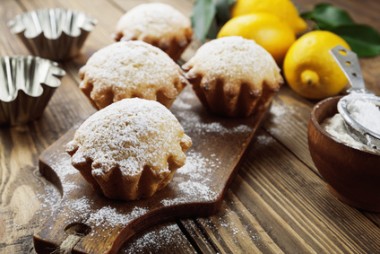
point(192, 182)
point(197, 121)
point(159, 240)
point(218, 145)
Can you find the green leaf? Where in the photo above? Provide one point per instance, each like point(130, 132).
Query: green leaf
point(363, 39)
point(223, 13)
point(328, 16)
point(213, 31)
point(209, 16)
point(203, 15)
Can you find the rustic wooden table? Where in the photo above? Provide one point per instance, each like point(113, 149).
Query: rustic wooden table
point(277, 203)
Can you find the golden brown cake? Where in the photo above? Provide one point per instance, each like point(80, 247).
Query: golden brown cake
point(131, 69)
point(158, 24)
point(232, 76)
point(130, 149)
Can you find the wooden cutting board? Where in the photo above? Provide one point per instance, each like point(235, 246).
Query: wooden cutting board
point(86, 222)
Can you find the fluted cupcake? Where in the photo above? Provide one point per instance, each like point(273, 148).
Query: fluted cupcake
point(130, 69)
point(158, 24)
point(232, 76)
point(130, 149)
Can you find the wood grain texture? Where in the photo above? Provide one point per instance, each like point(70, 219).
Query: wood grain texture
point(164, 238)
point(278, 203)
point(20, 183)
point(280, 206)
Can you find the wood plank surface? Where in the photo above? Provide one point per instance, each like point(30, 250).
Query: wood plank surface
point(278, 203)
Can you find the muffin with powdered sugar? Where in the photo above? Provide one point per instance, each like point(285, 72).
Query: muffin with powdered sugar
point(233, 76)
point(130, 149)
point(131, 69)
point(158, 24)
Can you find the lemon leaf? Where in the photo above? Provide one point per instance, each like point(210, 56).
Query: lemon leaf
point(203, 15)
point(223, 13)
point(363, 39)
point(209, 16)
point(328, 16)
point(213, 31)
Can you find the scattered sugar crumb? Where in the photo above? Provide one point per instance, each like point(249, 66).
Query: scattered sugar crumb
point(278, 111)
point(50, 201)
point(192, 181)
point(81, 205)
point(264, 140)
point(174, 201)
point(196, 189)
point(157, 241)
point(110, 216)
point(193, 123)
point(198, 166)
point(69, 186)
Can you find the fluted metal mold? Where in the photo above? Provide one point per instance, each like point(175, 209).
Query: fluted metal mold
point(57, 34)
point(26, 86)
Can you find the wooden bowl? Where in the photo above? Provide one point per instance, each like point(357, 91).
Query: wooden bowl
point(352, 175)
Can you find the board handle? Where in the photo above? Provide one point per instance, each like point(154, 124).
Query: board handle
point(62, 234)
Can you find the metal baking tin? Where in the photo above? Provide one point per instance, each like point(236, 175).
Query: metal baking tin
point(26, 86)
point(56, 34)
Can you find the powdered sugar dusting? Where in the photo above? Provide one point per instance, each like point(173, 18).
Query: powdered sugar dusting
point(110, 216)
point(156, 20)
point(79, 209)
point(167, 237)
point(230, 221)
point(265, 140)
point(50, 200)
point(237, 61)
point(198, 166)
point(130, 134)
point(192, 122)
point(191, 181)
point(129, 69)
point(80, 205)
point(195, 123)
point(192, 188)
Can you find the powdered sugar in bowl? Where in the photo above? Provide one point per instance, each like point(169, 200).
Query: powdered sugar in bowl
point(351, 169)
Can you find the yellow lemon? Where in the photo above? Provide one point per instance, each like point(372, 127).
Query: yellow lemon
point(311, 70)
point(265, 29)
point(284, 9)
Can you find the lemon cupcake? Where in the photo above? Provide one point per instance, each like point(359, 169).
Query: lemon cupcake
point(130, 149)
point(130, 69)
point(158, 24)
point(233, 76)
